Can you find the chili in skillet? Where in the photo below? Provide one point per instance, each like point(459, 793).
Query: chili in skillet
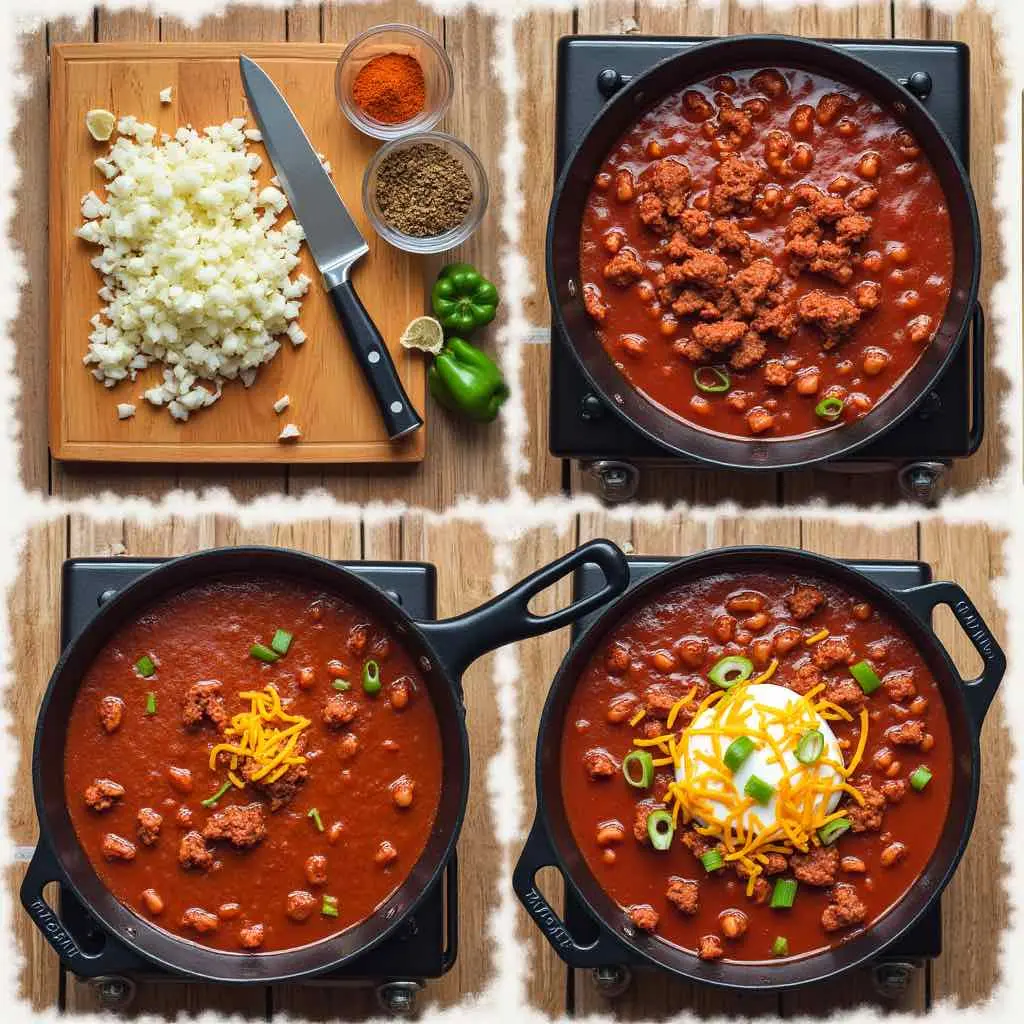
point(766, 253)
point(253, 765)
point(788, 704)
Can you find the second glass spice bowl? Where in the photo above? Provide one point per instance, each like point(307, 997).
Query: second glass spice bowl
point(423, 180)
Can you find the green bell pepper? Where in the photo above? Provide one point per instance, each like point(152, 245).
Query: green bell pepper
point(466, 380)
point(463, 299)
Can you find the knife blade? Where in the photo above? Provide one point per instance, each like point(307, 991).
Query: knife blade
point(333, 238)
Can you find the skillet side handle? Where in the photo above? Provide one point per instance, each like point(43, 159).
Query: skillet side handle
point(507, 617)
point(537, 854)
point(42, 870)
point(978, 692)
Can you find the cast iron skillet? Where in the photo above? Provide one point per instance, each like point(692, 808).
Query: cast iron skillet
point(550, 842)
point(443, 651)
point(618, 116)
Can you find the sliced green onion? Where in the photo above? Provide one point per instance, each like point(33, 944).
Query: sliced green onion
point(780, 947)
point(150, 703)
point(712, 860)
point(315, 815)
point(660, 829)
point(712, 379)
point(731, 670)
point(638, 769)
point(211, 801)
point(784, 894)
point(281, 642)
point(341, 684)
point(830, 408)
point(865, 676)
point(371, 677)
point(759, 790)
point(329, 908)
point(919, 778)
point(145, 666)
point(264, 653)
point(737, 752)
point(829, 833)
point(810, 746)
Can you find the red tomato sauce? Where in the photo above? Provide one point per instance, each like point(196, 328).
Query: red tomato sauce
point(666, 649)
point(352, 770)
point(777, 225)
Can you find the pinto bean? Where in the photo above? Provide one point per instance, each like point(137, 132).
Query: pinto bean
point(610, 832)
point(617, 659)
point(625, 186)
point(892, 855)
point(733, 923)
point(756, 622)
point(862, 611)
point(306, 678)
point(869, 166)
point(386, 853)
point(663, 661)
point(724, 628)
point(612, 241)
point(402, 790)
point(152, 901)
point(875, 361)
point(808, 382)
point(759, 420)
point(620, 707)
point(180, 779)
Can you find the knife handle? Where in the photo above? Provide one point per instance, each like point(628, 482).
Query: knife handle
point(400, 418)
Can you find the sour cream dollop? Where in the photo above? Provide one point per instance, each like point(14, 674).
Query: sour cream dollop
point(758, 714)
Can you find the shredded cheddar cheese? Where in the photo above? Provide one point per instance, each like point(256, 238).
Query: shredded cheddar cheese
point(265, 734)
point(816, 638)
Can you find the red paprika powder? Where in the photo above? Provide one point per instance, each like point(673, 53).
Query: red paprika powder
point(390, 88)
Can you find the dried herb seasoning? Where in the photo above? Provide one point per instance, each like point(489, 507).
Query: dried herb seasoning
point(423, 191)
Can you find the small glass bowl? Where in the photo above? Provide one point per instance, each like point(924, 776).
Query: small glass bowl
point(433, 243)
point(438, 75)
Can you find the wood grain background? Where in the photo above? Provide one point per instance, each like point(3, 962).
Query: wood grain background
point(467, 462)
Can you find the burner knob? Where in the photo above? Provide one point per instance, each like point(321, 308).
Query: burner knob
point(609, 82)
point(920, 84)
point(591, 408)
point(395, 596)
point(107, 595)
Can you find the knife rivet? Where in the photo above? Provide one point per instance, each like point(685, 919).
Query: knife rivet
point(374, 357)
point(396, 406)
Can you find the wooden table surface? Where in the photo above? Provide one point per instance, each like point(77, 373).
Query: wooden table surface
point(464, 462)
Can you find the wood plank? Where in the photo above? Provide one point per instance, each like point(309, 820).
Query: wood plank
point(242, 426)
point(538, 660)
point(29, 213)
point(975, 909)
point(33, 614)
point(465, 561)
point(989, 87)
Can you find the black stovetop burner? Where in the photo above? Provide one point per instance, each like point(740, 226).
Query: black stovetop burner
point(891, 971)
point(425, 946)
point(948, 423)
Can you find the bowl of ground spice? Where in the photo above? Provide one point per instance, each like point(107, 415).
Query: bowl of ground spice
point(425, 193)
point(394, 79)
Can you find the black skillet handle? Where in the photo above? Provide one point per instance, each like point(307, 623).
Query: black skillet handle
point(59, 930)
point(42, 870)
point(978, 692)
point(507, 617)
point(400, 418)
point(538, 854)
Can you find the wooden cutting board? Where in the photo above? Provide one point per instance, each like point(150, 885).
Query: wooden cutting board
point(330, 401)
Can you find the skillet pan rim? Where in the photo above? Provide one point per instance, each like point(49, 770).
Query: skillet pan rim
point(643, 949)
point(738, 457)
point(215, 965)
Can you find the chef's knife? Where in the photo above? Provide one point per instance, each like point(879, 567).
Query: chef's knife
point(333, 238)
